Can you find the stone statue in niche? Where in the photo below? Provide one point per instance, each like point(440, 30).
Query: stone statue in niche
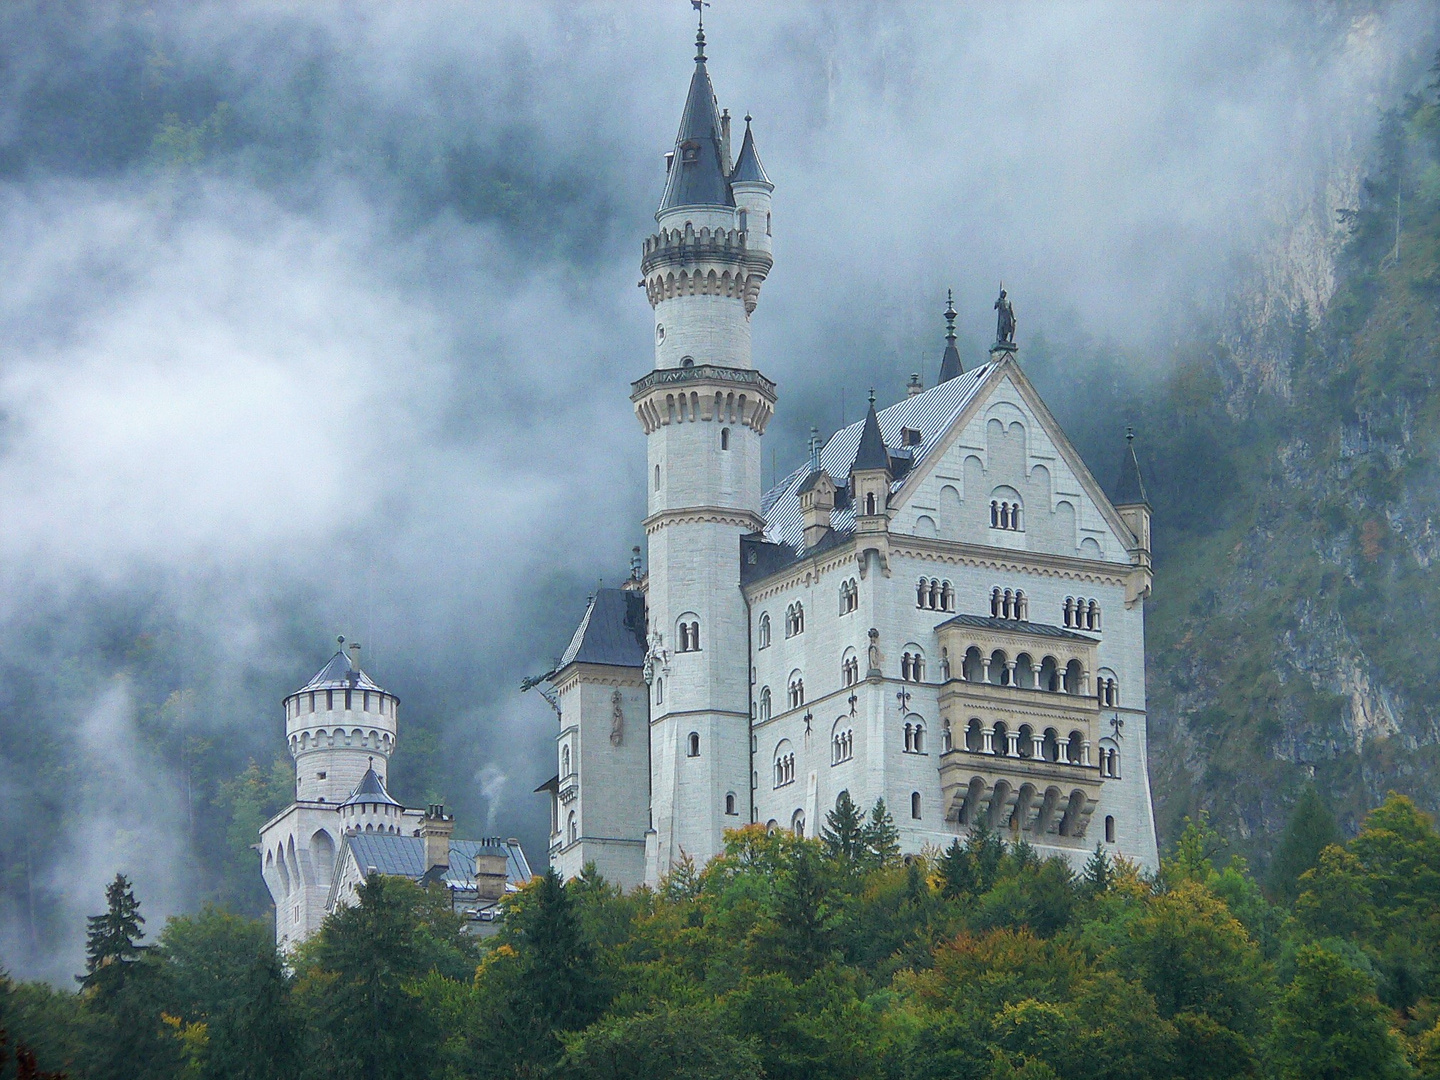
point(617, 718)
point(875, 659)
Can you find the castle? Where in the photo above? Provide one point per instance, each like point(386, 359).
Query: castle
point(344, 825)
point(941, 607)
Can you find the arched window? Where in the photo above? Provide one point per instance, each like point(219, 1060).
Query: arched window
point(947, 597)
point(794, 619)
point(974, 736)
point(915, 735)
point(842, 742)
point(849, 596)
point(725, 438)
point(850, 668)
point(764, 703)
point(659, 691)
point(730, 803)
point(870, 504)
point(1001, 740)
point(1092, 616)
point(572, 829)
point(915, 805)
point(796, 687)
point(1109, 829)
point(912, 664)
point(1005, 509)
point(784, 764)
point(797, 823)
point(764, 633)
point(687, 632)
point(995, 601)
point(1107, 692)
point(657, 477)
point(565, 761)
point(692, 745)
point(1022, 606)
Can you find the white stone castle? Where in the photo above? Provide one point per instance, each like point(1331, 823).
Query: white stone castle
point(344, 825)
point(941, 607)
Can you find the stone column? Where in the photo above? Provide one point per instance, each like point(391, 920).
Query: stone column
point(1039, 741)
point(988, 734)
point(1085, 753)
point(1012, 738)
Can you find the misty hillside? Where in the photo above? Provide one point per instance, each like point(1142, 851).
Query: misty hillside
point(1295, 635)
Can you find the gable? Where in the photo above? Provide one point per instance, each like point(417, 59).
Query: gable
point(1006, 449)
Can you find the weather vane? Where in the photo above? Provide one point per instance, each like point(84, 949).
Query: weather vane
point(699, 6)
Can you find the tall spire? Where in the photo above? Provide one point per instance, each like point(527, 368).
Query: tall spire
point(696, 167)
point(1129, 488)
point(950, 365)
point(871, 453)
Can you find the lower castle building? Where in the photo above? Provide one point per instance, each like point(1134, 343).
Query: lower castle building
point(344, 825)
point(942, 607)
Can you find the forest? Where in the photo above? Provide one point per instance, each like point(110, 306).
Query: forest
point(791, 957)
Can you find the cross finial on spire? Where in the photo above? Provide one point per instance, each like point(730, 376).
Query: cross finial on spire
point(872, 395)
point(950, 316)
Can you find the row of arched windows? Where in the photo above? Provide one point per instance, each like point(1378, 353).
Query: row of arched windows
point(849, 596)
point(850, 670)
point(1024, 671)
point(1009, 604)
point(1081, 614)
point(842, 745)
point(933, 595)
point(794, 619)
point(1005, 514)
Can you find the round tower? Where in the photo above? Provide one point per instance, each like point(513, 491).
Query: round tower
point(340, 725)
point(370, 808)
point(703, 408)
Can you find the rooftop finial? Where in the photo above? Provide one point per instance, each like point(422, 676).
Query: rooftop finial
point(814, 449)
point(950, 316)
point(1129, 434)
point(872, 396)
point(700, 6)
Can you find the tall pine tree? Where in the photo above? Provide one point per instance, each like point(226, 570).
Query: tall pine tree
point(843, 835)
point(112, 939)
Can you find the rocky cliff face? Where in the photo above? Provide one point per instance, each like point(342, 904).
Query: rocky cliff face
point(1293, 627)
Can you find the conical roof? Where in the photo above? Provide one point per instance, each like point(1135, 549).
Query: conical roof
point(697, 173)
point(1129, 487)
point(338, 674)
point(748, 169)
point(370, 792)
point(871, 453)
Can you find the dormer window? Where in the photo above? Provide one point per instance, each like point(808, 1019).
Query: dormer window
point(690, 152)
point(910, 437)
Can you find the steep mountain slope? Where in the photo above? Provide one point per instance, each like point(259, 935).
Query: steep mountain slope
point(1292, 631)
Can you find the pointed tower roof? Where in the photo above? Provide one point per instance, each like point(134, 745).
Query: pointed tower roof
point(370, 791)
point(950, 366)
point(871, 453)
point(697, 174)
point(1129, 488)
point(748, 169)
point(339, 673)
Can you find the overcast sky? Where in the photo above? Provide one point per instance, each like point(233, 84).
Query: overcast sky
point(315, 384)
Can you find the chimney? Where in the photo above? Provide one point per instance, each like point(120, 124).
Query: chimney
point(725, 142)
point(490, 875)
point(916, 386)
point(436, 828)
point(354, 656)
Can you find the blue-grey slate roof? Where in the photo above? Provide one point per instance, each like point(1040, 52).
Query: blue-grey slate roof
point(950, 366)
point(871, 453)
point(930, 413)
point(748, 169)
point(404, 856)
point(612, 631)
point(1021, 626)
point(697, 173)
point(370, 791)
point(340, 673)
point(1129, 487)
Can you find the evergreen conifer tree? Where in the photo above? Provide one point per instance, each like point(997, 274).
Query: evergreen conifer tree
point(843, 834)
point(1309, 831)
point(987, 852)
point(1096, 874)
point(112, 939)
point(879, 835)
point(957, 871)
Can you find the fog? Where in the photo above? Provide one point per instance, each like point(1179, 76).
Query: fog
point(327, 328)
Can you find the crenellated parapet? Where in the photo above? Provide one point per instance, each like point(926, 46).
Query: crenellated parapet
point(705, 262)
point(703, 393)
